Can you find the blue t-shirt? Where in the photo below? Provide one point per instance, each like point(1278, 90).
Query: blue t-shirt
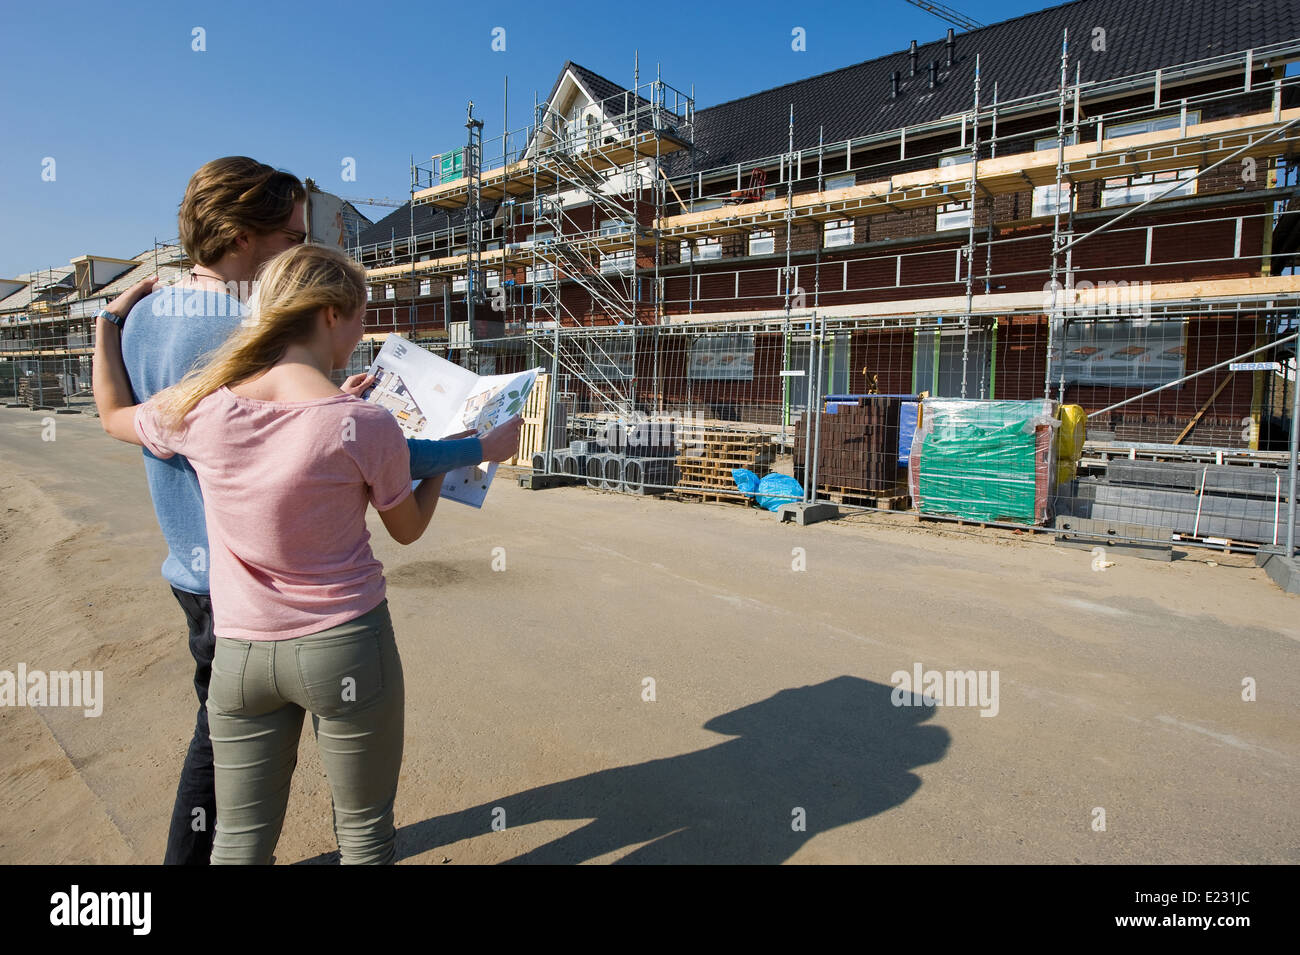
point(165, 336)
point(168, 333)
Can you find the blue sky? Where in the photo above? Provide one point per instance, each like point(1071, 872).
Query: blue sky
point(116, 95)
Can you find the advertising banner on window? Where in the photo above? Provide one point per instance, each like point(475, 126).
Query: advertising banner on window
point(1122, 354)
point(722, 357)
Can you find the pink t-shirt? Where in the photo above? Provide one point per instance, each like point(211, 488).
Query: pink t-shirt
point(285, 487)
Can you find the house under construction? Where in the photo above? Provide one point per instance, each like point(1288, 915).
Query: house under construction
point(1086, 203)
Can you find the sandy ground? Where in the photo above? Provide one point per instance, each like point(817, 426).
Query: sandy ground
point(1119, 689)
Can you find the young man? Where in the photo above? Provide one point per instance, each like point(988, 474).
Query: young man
point(237, 213)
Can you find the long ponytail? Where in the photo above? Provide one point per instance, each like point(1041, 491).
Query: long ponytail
point(291, 290)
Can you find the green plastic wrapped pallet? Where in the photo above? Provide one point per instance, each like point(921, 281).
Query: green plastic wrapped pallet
point(986, 460)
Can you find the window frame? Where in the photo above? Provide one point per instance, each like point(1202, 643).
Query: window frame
point(838, 227)
point(1147, 190)
point(761, 235)
point(952, 209)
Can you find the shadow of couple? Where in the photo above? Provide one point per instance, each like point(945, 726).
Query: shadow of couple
point(801, 762)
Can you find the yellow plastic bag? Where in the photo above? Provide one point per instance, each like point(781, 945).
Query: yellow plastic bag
point(1072, 433)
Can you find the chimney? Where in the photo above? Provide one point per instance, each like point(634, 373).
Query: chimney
point(893, 84)
point(951, 44)
point(934, 73)
point(912, 54)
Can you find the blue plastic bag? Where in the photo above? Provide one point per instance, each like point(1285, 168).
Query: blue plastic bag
point(746, 481)
point(777, 489)
point(770, 492)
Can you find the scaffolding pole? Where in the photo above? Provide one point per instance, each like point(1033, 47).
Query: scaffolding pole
point(789, 205)
point(1056, 217)
point(970, 236)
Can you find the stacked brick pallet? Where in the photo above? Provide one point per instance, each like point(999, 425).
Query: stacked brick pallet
point(857, 451)
point(706, 459)
point(41, 391)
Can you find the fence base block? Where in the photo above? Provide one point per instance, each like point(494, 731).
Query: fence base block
point(807, 513)
point(537, 482)
point(1160, 552)
point(1283, 571)
point(1085, 534)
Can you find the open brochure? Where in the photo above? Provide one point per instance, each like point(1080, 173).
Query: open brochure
point(433, 398)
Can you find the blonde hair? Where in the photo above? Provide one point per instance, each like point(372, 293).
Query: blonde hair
point(230, 196)
point(291, 290)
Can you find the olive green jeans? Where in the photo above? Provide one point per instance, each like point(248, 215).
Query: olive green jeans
point(350, 679)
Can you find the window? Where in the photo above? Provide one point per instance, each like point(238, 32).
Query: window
point(726, 357)
point(942, 356)
point(840, 182)
point(493, 280)
point(834, 371)
point(609, 359)
point(837, 232)
point(613, 227)
point(624, 261)
point(390, 292)
point(426, 286)
point(459, 283)
point(1121, 354)
point(954, 215)
point(1041, 145)
point(705, 249)
point(542, 273)
point(370, 293)
point(1134, 189)
point(703, 205)
point(1047, 203)
point(761, 243)
point(952, 162)
point(1138, 127)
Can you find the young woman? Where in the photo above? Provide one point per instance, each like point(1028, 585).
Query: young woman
point(287, 464)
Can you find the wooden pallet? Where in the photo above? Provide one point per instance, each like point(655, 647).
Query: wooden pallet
point(706, 459)
point(691, 481)
point(709, 494)
point(532, 432)
point(721, 462)
point(858, 497)
point(947, 519)
point(984, 525)
point(721, 469)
